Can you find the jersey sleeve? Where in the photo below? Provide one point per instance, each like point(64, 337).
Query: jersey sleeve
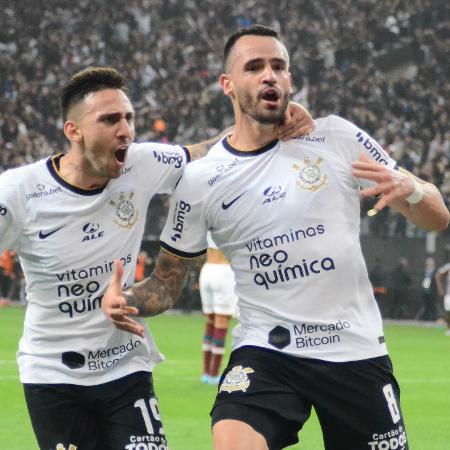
point(9, 228)
point(162, 165)
point(184, 233)
point(353, 141)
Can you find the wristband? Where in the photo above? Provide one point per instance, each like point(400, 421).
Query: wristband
point(417, 195)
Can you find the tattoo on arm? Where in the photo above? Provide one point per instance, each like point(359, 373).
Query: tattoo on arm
point(162, 289)
point(202, 148)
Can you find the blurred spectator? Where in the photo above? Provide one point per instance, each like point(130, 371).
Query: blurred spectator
point(442, 278)
point(190, 297)
point(429, 291)
point(143, 262)
point(378, 280)
point(399, 290)
point(7, 275)
point(170, 50)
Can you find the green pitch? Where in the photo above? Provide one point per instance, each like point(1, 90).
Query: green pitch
point(420, 357)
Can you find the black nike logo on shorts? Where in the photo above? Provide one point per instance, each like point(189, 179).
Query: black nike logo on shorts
point(227, 205)
point(43, 235)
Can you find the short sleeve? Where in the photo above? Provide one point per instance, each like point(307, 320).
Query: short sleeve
point(9, 229)
point(184, 233)
point(161, 165)
point(353, 141)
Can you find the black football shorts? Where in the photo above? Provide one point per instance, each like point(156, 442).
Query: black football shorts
point(357, 402)
point(122, 414)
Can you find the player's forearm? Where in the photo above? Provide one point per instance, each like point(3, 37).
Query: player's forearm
point(162, 289)
point(429, 213)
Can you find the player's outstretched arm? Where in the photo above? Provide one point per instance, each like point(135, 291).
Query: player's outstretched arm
point(149, 297)
point(417, 200)
point(297, 122)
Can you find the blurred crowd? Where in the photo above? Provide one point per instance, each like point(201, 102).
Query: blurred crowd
point(382, 64)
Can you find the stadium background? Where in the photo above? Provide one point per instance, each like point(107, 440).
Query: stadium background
point(381, 64)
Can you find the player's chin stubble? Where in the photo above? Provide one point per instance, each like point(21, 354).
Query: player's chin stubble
point(250, 107)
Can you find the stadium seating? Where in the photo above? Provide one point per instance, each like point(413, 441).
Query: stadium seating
point(382, 64)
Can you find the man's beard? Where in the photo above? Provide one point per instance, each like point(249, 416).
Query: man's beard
point(249, 106)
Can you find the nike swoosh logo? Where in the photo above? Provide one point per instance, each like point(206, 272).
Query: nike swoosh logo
point(46, 235)
point(227, 205)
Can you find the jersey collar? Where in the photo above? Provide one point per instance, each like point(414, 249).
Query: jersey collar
point(256, 152)
point(52, 166)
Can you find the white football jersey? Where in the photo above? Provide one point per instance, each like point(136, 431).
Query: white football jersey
point(287, 218)
point(67, 239)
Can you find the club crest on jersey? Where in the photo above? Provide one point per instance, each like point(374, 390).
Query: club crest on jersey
point(236, 380)
point(126, 212)
point(310, 175)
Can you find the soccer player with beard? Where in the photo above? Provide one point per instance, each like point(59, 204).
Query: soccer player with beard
point(286, 216)
point(88, 386)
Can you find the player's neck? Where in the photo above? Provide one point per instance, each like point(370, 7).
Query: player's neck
point(251, 135)
point(75, 172)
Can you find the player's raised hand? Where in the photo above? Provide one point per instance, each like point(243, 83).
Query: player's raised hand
point(297, 122)
point(115, 307)
point(391, 185)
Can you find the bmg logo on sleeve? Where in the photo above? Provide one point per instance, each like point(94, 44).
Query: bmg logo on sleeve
point(181, 209)
point(375, 151)
point(169, 158)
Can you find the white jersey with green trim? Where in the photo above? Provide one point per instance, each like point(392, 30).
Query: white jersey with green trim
point(67, 239)
point(287, 218)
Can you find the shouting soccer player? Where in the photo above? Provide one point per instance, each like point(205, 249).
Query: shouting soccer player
point(286, 215)
point(88, 385)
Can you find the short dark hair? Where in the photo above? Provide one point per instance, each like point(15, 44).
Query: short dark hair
point(256, 29)
point(92, 79)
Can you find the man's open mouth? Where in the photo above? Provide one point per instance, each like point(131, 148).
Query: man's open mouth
point(121, 154)
point(270, 95)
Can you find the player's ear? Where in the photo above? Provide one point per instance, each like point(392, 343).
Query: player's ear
point(227, 84)
point(72, 131)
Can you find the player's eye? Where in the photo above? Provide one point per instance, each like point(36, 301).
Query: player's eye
point(254, 67)
point(110, 120)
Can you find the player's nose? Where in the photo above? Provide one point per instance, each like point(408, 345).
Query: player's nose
point(126, 130)
point(269, 75)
